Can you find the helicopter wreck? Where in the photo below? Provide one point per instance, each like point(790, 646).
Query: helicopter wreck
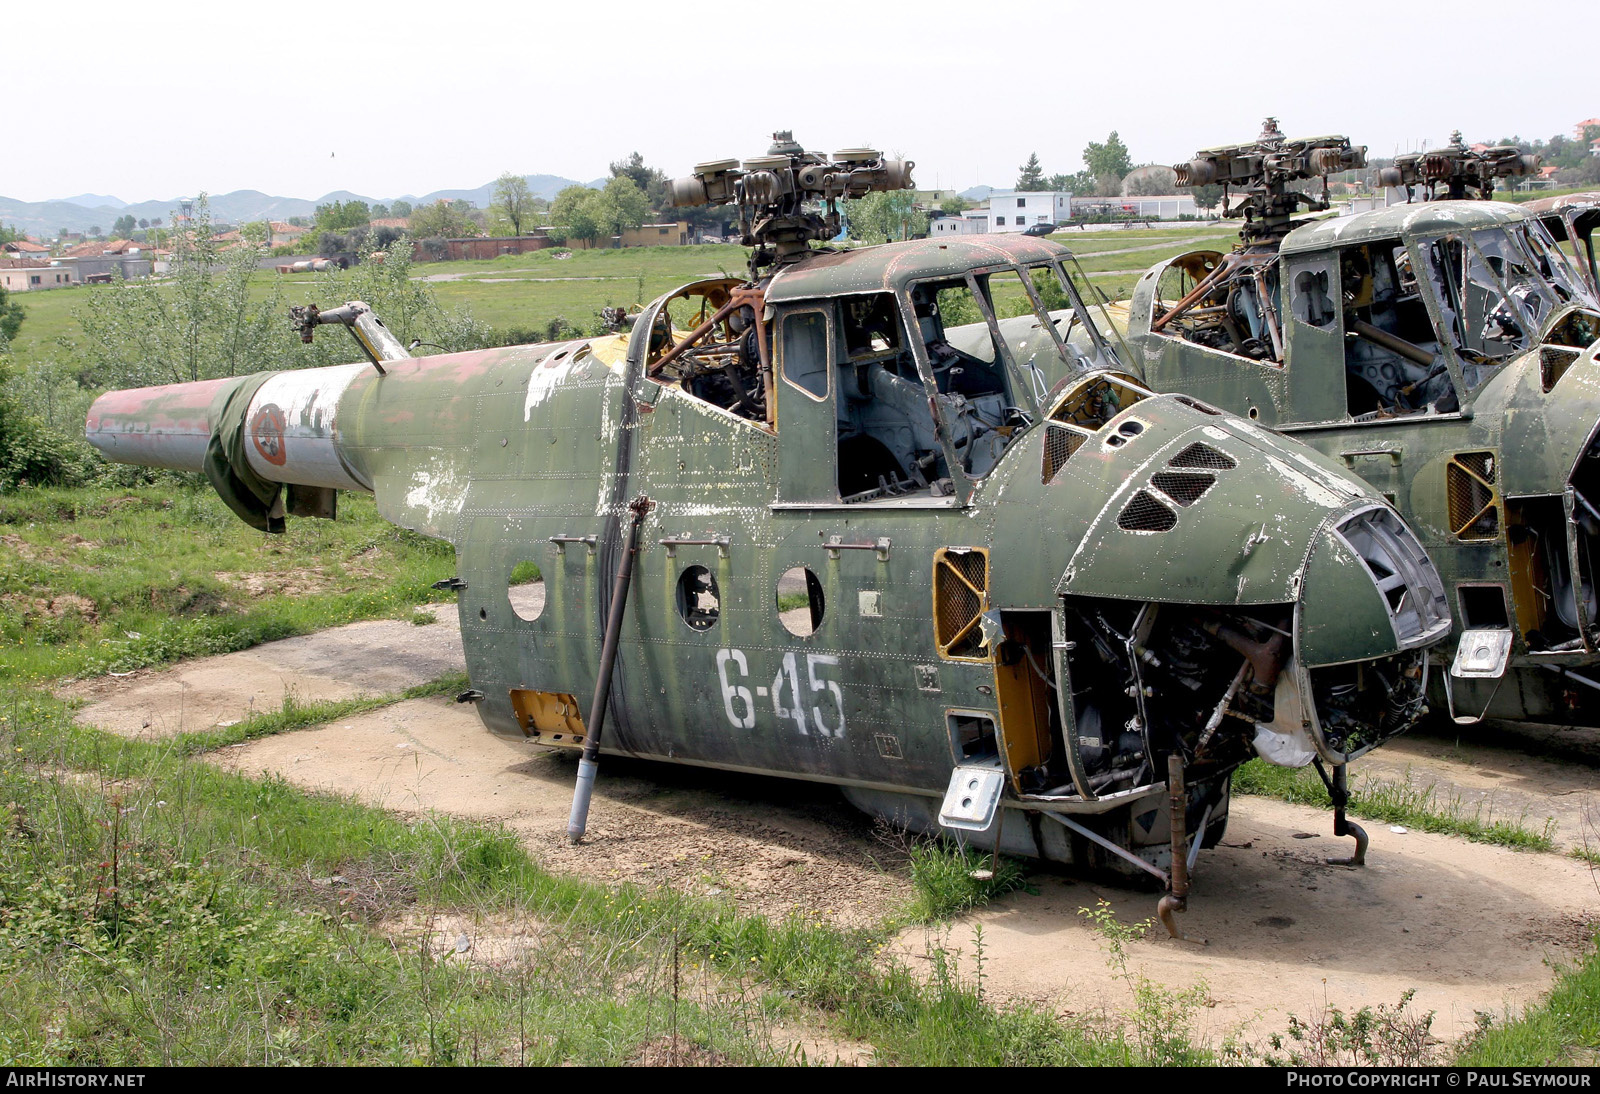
point(788, 526)
point(1444, 350)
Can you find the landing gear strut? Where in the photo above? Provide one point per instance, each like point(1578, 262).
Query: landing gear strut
point(1177, 895)
point(1339, 790)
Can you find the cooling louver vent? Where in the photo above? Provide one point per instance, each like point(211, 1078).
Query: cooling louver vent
point(1183, 488)
point(1059, 445)
point(1145, 514)
point(1203, 455)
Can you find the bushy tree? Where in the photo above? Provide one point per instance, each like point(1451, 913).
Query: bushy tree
point(573, 213)
point(205, 326)
point(582, 213)
point(380, 211)
point(954, 206)
point(208, 323)
point(32, 453)
point(443, 220)
point(882, 216)
point(340, 216)
point(1108, 159)
point(623, 205)
point(400, 209)
point(123, 226)
point(650, 181)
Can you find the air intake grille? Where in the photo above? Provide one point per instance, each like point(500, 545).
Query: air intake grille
point(1145, 514)
point(960, 588)
point(1181, 487)
point(1469, 483)
point(1059, 445)
point(1203, 455)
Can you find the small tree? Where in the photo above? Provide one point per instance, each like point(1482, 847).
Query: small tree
point(1032, 175)
point(400, 209)
point(1206, 197)
point(513, 201)
point(123, 227)
point(955, 206)
point(341, 216)
point(11, 316)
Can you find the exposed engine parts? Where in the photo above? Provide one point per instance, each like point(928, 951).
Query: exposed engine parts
point(1457, 171)
point(789, 196)
point(1265, 169)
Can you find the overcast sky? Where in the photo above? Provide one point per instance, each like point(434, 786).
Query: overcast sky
point(152, 99)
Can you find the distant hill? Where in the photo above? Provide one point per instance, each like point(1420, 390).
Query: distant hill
point(978, 193)
point(85, 211)
point(95, 201)
point(541, 186)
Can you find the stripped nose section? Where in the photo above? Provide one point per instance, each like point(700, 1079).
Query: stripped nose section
point(1371, 603)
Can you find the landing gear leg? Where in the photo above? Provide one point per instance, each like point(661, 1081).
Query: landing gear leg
point(1177, 895)
point(1339, 790)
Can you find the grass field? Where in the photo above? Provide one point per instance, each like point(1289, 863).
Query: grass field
point(156, 910)
point(527, 292)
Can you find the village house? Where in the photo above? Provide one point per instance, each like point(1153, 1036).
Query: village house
point(31, 274)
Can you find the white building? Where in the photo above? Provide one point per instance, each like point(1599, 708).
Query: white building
point(1018, 210)
point(973, 222)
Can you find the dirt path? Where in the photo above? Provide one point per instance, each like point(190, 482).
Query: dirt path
point(378, 657)
point(1503, 772)
point(1470, 927)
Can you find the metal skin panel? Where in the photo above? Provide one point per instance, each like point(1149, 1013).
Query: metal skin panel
point(1427, 218)
point(892, 266)
point(1251, 388)
point(155, 426)
point(1345, 627)
point(293, 425)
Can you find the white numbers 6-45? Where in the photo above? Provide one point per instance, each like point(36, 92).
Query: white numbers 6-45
point(816, 705)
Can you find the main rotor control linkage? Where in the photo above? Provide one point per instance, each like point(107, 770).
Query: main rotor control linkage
point(377, 342)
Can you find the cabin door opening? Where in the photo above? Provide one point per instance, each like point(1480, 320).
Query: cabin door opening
point(1025, 688)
